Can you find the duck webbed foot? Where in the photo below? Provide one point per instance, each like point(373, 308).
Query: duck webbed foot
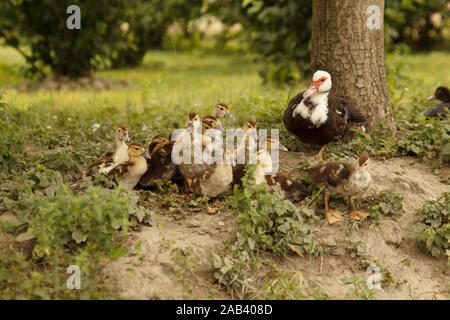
point(332, 216)
point(356, 215)
point(320, 153)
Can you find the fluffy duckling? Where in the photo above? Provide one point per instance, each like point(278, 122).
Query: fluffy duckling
point(440, 110)
point(192, 138)
point(263, 173)
point(110, 159)
point(130, 172)
point(221, 110)
point(215, 180)
point(159, 166)
point(342, 179)
point(211, 122)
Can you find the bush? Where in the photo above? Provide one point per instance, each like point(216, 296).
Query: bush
point(114, 33)
point(433, 230)
point(266, 221)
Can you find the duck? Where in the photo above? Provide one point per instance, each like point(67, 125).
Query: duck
point(317, 116)
point(342, 179)
point(214, 180)
point(221, 110)
point(129, 173)
point(264, 171)
point(159, 164)
point(440, 110)
point(211, 122)
point(245, 152)
point(109, 159)
point(190, 139)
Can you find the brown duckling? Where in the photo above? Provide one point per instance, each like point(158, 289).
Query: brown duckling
point(264, 171)
point(110, 159)
point(159, 166)
point(221, 110)
point(342, 179)
point(211, 122)
point(193, 141)
point(130, 172)
point(214, 180)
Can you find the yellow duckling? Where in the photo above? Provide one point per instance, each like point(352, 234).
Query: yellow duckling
point(130, 172)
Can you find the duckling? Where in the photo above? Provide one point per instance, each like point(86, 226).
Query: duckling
point(107, 162)
point(130, 172)
point(215, 180)
point(159, 166)
point(211, 122)
point(342, 179)
point(245, 152)
point(264, 171)
point(192, 139)
point(221, 110)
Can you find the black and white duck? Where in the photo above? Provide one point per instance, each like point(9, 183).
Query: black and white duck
point(440, 110)
point(317, 116)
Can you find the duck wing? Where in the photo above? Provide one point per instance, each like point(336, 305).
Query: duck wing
point(121, 170)
point(101, 165)
point(347, 110)
point(296, 100)
point(331, 173)
point(438, 110)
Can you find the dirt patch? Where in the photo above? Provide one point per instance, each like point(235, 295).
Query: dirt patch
point(53, 82)
point(175, 260)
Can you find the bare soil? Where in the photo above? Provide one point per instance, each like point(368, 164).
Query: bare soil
point(157, 272)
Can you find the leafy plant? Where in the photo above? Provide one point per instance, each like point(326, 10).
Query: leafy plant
point(266, 221)
point(433, 230)
point(91, 219)
point(388, 202)
point(359, 290)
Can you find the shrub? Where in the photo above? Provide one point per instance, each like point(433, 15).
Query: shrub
point(267, 221)
point(433, 230)
point(389, 202)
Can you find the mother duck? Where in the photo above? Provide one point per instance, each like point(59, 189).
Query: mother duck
point(317, 116)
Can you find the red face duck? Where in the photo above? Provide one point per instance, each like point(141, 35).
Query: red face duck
point(317, 116)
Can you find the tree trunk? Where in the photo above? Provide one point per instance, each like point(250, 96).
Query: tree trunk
point(347, 43)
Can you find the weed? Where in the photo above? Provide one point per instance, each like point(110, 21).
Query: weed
point(433, 230)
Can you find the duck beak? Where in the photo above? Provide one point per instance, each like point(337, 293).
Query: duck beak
point(229, 116)
point(126, 137)
point(308, 93)
point(145, 155)
point(431, 98)
point(282, 148)
point(190, 127)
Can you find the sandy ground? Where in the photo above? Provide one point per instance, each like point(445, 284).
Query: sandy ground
point(157, 273)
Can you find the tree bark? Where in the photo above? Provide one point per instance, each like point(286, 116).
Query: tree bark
point(352, 51)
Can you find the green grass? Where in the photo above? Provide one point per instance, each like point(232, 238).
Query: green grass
point(46, 139)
